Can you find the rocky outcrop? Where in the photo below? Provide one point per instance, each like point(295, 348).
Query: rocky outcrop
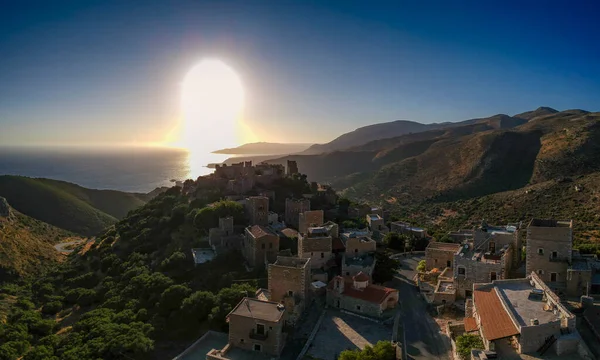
point(5, 210)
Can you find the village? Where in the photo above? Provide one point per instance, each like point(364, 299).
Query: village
point(520, 291)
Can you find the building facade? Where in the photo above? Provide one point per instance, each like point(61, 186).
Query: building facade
point(293, 208)
point(316, 245)
point(549, 250)
point(257, 210)
point(357, 295)
point(261, 246)
point(289, 284)
point(308, 219)
point(440, 255)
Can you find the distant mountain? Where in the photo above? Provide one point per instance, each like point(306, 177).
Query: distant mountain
point(264, 148)
point(541, 111)
point(69, 206)
point(25, 243)
point(397, 128)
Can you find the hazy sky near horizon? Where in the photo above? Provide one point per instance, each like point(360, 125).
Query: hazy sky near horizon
point(75, 72)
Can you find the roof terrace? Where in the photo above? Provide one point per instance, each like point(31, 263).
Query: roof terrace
point(526, 302)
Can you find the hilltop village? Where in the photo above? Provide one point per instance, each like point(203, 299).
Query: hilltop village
point(480, 287)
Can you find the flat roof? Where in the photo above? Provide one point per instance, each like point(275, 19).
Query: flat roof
point(259, 310)
point(551, 223)
point(444, 246)
point(199, 349)
point(290, 261)
point(524, 307)
point(202, 255)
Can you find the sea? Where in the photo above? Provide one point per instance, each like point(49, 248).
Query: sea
point(131, 169)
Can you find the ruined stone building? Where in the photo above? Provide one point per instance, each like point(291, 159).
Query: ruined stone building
point(223, 238)
point(289, 284)
point(491, 238)
point(549, 250)
point(293, 209)
point(308, 219)
point(254, 326)
point(440, 255)
point(292, 167)
point(357, 295)
point(316, 245)
point(257, 210)
point(261, 246)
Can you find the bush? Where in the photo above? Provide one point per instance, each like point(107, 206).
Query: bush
point(383, 350)
point(465, 343)
point(52, 308)
point(422, 266)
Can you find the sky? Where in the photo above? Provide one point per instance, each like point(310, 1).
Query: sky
point(109, 72)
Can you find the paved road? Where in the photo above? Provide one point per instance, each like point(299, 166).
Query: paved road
point(423, 336)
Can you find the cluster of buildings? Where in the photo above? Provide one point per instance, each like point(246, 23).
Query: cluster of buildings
point(508, 311)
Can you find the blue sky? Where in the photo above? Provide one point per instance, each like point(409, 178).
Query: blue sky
point(109, 72)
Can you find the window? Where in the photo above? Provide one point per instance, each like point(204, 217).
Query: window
point(260, 329)
point(492, 247)
point(540, 251)
point(257, 347)
point(358, 307)
point(242, 341)
point(553, 277)
point(435, 261)
point(262, 246)
point(290, 293)
point(270, 245)
point(493, 276)
point(540, 272)
point(322, 255)
point(355, 251)
point(555, 254)
point(449, 263)
point(462, 271)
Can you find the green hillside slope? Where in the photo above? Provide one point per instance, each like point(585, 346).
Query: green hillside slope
point(68, 206)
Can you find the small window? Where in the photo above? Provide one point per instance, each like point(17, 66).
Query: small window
point(358, 307)
point(347, 273)
point(435, 261)
point(355, 250)
point(262, 246)
point(290, 293)
point(322, 255)
point(242, 341)
point(270, 245)
point(257, 347)
point(540, 251)
point(461, 270)
point(555, 254)
point(553, 277)
point(493, 276)
point(540, 272)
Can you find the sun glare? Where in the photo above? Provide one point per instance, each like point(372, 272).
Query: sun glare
point(212, 99)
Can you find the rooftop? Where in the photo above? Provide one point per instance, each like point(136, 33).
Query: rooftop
point(470, 324)
point(290, 233)
point(291, 262)
point(446, 286)
point(202, 255)
point(350, 233)
point(317, 231)
point(495, 321)
point(444, 246)
point(551, 223)
point(337, 244)
point(258, 310)
point(361, 260)
point(372, 293)
point(523, 306)
point(361, 276)
point(375, 217)
point(199, 349)
point(259, 231)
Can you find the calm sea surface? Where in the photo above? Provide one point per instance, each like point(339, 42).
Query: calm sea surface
point(126, 169)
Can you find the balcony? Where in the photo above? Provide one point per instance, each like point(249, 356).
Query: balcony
point(256, 336)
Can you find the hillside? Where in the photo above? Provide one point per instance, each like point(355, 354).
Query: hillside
point(68, 206)
point(264, 148)
point(25, 243)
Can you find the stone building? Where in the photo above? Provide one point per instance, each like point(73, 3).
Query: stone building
point(292, 167)
point(526, 314)
point(491, 238)
point(360, 263)
point(375, 222)
point(223, 238)
point(316, 244)
point(357, 295)
point(261, 246)
point(257, 210)
point(254, 326)
point(360, 211)
point(360, 245)
point(480, 265)
point(308, 219)
point(289, 284)
point(440, 255)
point(293, 208)
point(548, 250)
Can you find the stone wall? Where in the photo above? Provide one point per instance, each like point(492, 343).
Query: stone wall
point(318, 249)
point(257, 210)
point(293, 208)
point(261, 249)
point(532, 337)
point(358, 246)
point(334, 299)
point(557, 239)
point(239, 334)
point(285, 279)
point(578, 282)
point(308, 219)
point(439, 258)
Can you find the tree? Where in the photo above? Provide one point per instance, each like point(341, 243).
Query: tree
point(395, 241)
point(422, 266)
point(385, 268)
point(172, 298)
point(383, 350)
point(465, 343)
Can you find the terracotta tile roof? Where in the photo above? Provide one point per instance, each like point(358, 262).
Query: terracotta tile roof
point(290, 233)
point(495, 321)
point(259, 231)
point(361, 276)
point(443, 246)
point(470, 324)
point(337, 244)
point(258, 310)
point(372, 293)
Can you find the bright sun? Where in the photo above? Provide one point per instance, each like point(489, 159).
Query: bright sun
point(212, 99)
